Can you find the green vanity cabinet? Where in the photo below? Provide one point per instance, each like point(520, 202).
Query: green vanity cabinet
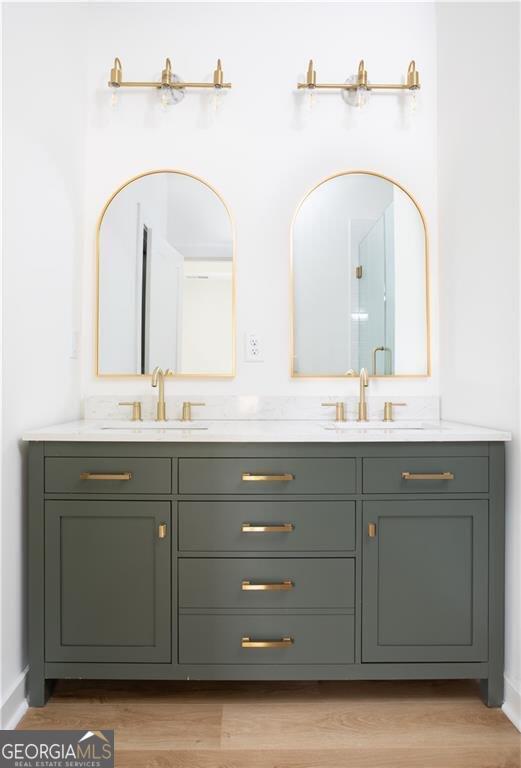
point(270, 561)
point(107, 581)
point(425, 576)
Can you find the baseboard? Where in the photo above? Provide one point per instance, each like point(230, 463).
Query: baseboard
point(15, 703)
point(512, 705)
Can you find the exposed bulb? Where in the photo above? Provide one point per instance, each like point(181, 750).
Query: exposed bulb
point(413, 100)
point(217, 99)
point(169, 96)
point(114, 96)
point(310, 99)
point(361, 97)
point(356, 97)
point(165, 95)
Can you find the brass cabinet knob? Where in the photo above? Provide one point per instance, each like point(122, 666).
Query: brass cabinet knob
point(161, 531)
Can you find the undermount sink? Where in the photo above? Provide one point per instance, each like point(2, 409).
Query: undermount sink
point(139, 426)
point(363, 425)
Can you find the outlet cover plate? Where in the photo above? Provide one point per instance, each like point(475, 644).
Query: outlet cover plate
point(253, 348)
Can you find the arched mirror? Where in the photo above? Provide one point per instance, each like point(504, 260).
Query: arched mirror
point(359, 268)
point(166, 279)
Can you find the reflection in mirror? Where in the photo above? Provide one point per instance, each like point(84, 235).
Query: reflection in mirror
point(359, 270)
point(166, 279)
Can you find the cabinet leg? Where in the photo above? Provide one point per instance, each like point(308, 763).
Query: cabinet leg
point(491, 689)
point(40, 690)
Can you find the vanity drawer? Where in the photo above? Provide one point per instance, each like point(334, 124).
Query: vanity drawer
point(275, 476)
point(290, 639)
point(293, 526)
point(106, 475)
point(453, 474)
point(266, 583)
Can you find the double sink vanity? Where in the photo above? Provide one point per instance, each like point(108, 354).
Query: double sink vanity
point(266, 549)
point(252, 538)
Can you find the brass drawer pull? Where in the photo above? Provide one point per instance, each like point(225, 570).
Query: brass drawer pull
point(105, 476)
point(427, 476)
point(161, 531)
point(284, 478)
point(275, 528)
point(281, 586)
point(284, 642)
point(371, 530)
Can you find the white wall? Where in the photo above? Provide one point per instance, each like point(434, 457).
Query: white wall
point(478, 153)
point(43, 188)
point(265, 149)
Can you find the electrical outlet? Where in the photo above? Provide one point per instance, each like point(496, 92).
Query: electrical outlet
point(253, 350)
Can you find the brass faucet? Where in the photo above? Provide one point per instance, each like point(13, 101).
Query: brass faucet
point(158, 380)
point(187, 410)
point(388, 410)
point(362, 405)
point(340, 413)
point(136, 409)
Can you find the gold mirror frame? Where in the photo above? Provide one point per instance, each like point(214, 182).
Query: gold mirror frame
point(234, 272)
point(293, 373)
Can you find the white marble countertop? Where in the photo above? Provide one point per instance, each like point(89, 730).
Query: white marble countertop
point(265, 431)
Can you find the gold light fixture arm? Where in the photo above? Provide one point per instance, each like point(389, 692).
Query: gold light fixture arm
point(218, 75)
point(413, 76)
point(167, 79)
point(116, 74)
point(412, 81)
point(311, 77)
point(361, 77)
point(166, 74)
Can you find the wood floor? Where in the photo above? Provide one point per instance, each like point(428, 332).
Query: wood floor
point(288, 725)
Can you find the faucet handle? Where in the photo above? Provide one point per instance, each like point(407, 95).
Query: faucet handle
point(136, 409)
point(340, 413)
point(187, 410)
point(388, 410)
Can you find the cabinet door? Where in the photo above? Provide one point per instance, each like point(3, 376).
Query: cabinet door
point(425, 581)
point(108, 581)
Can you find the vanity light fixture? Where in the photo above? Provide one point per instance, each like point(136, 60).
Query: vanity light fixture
point(357, 88)
point(171, 87)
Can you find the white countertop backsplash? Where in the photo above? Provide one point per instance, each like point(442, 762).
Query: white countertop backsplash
point(264, 419)
point(251, 407)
